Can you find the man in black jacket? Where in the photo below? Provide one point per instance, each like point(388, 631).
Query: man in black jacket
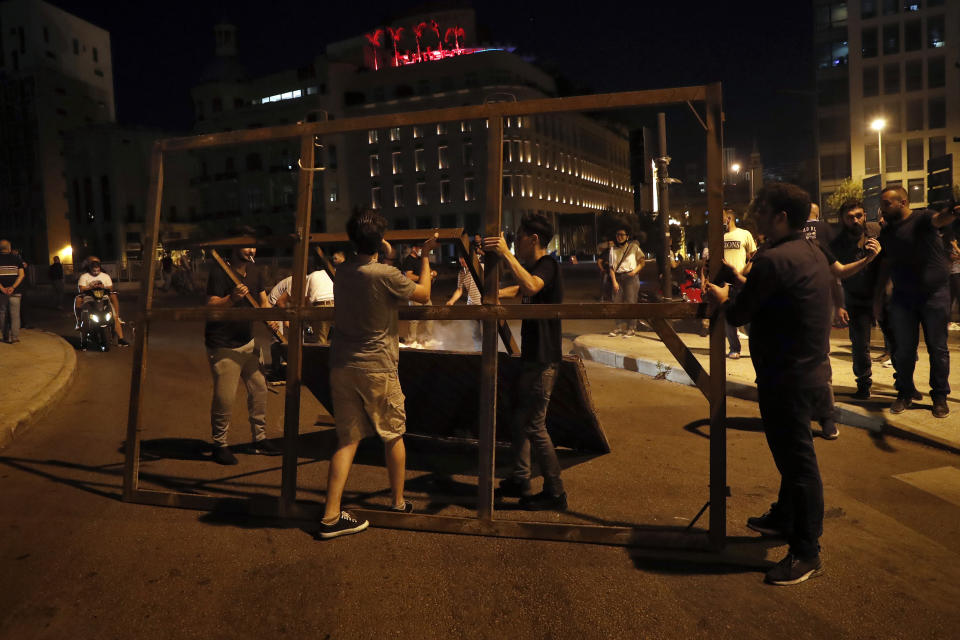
point(783, 300)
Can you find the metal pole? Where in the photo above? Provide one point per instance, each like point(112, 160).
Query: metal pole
point(663, 173)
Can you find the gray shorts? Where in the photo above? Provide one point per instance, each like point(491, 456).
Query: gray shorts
point(367, 403)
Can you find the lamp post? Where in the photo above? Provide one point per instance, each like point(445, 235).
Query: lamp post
point(878, 125)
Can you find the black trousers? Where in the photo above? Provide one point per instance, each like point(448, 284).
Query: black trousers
point(861, 323)
point(786, 413)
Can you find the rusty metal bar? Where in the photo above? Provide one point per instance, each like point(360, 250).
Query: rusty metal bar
point(718, 362)
point(491, 296)
point(403, 235)
point(131, 463)
point(301, 254)
point(599, 102)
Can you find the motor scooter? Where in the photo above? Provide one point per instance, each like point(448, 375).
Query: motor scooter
point(97, 320)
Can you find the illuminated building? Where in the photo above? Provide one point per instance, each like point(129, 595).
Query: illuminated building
point(890, 59)
point(55, 76)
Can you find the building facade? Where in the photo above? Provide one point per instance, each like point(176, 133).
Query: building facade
point(890, 61)
point(55, 77)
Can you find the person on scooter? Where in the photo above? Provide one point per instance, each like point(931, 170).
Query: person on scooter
point(93, 278)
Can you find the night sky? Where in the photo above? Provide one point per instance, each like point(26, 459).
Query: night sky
point(760, 50)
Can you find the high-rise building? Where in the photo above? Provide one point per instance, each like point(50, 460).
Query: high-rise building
point(894, 62)
point(55, 77)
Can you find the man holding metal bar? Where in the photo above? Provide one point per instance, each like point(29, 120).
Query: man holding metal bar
point(365, 351)
point(233, 354)
point(540, 282)
point(783, 298)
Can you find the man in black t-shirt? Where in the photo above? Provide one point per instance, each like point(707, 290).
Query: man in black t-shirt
point(918, 264)
point(540, 282)
point(233, 354)
point(783, 300)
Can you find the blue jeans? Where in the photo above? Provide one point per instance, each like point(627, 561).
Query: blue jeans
point(529, 426)
point(10, 316)
point(906, 318)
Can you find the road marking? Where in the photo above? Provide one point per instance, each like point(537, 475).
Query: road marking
point(943, 482)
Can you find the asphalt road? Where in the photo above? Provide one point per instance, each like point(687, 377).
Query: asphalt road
point(78, 562)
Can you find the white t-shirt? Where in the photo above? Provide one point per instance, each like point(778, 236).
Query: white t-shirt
point(737, 245)
point(629, 262)
point(319, 288)
point(86, 280)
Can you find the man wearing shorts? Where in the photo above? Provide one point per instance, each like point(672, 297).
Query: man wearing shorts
point(367, 399)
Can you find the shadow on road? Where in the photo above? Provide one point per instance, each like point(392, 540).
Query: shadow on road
point(737, 423)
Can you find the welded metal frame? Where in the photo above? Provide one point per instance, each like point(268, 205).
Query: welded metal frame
point(713, 386)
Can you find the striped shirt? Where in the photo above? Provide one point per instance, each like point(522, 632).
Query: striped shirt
point(465, 281)
point(10, 265)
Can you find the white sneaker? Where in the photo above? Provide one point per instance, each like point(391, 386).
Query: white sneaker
point(614, 333)
point(742, 335)
point(954, 326)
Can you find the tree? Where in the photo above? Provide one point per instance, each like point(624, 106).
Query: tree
point(848, 190)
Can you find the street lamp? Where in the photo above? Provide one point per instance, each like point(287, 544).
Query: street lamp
point(735, 167)
point(878, 125)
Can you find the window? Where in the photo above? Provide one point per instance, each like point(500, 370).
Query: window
point(217, 105)
point(424, 222)
point(394, 134)
point(868, 9)
point(421, 193)
point(832, 54)
point(871, 82)
point(417, 131)
point(890, 7)
point(915, 154)
point(469, 189)
point(105, 197)
point(910, 6)
point(829, 92)
point(832, 15)
point(835, 128)
point(418, 160)
point(938, 146)
point(372, 136)
point(871, 160)
point(254, 162)
point(915, 190)
point(935, 73)
point(444, 191)
point(914, 115)
point(332, 156)
point(441, 128)
point(76, 47)
point(96, 55)
point(375, 202)
point(891, 78)
point(869, 48)
point(893, 117)
point(912, 37)
point(468, 154)
point(255, 197)
point(466, 126)
point(891, 38)
point(892, 157)
point(938, 112)
point(395, 163)
point(374, 165)
point(935, 32)
point(334, 192)
point(913, 75)
point(507, 185)
point(398, 195)
point(443, 158)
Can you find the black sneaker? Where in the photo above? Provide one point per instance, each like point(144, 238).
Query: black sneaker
point(863, 393)
point(347, 524)
point(769, 524)
point(543, 501)
point(901, 404)
point(122, 343)
point(940, 408)
point(406, 507)
point(829, 430)
point(917, 396)
point(513, 488)
point(266, 448)
point(223, 455)
point(793, 570)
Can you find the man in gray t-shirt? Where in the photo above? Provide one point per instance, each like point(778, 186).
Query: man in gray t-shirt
point(367, 399)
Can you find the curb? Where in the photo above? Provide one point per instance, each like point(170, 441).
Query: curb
point(39, 405)
point(850, 415)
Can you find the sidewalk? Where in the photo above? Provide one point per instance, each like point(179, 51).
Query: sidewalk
point(37, 371)
point(646, 354)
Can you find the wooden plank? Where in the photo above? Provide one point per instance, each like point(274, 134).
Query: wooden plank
point(493, 110)
point(718, 361)
point(131, 463)
point(235, 279)
point(491, 296)
point(403, 235)
point(301, 253)
point(682, 353)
